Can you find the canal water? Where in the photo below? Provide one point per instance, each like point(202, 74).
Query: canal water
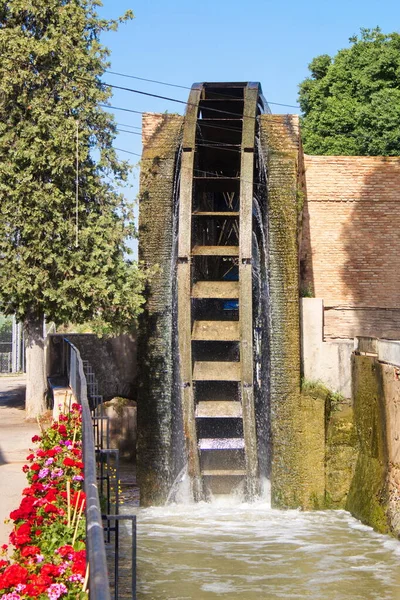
point(232, 550)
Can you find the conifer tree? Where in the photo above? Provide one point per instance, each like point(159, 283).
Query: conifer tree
point(63, 238)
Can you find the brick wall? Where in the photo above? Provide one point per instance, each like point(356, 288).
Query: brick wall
point(350, 253)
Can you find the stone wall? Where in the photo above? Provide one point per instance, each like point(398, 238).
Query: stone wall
point(113, 359)
point(350, 253)
point(280, 143)
point(162, 135)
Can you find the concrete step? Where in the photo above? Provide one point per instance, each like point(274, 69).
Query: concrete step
point(225, 331)
point(221, 444)
point(216, 289)
point(215, 251)
point(219, 409)
point(216, 371)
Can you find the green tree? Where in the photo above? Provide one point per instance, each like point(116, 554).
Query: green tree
point(351, 102)
point(62, 256)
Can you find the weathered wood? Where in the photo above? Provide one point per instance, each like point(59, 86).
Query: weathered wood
point(221, 443)
point(224, 331)
point(216, 371)
point(245, 283)
point(222, 409)
point(224, 473)
point(214, 213)
point(186, 182)
point(215, 251)
point(184, 289)
point(216, 289)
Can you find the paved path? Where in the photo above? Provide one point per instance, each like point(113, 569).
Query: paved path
point(15, 441)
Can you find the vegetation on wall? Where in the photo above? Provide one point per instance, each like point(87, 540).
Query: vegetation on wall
point(351, 102)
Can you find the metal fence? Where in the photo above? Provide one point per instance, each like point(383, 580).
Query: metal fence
point(101, 473)
point(12, 346)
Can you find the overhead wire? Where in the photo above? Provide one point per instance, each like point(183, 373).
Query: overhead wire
point(184, 87)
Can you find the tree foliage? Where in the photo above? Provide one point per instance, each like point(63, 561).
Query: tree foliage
point(50, 97)
point(351, 102)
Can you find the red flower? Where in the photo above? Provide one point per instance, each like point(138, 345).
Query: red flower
point(30, 551)
point(65, 550)
point(30, 457)
point(36, 438)
point(79, 563)
point(50, 508)
point(51, 495)
point(50, 570)
point(13, 575)
point(3, 563)
point(35, 467)
point(68, 462)
point(62, 430)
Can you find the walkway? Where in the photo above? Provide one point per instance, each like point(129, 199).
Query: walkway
point(15, 441)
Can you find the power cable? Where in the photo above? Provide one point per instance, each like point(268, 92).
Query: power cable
point(184, 87)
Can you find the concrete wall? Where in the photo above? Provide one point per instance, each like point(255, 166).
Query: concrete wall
point(350, 254)
point(374, 495)
point(325, 361)
point(113, 360)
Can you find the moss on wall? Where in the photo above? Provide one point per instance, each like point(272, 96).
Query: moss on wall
point(341, 455)
point(280, 144)
point(367, 499)
point(155, 342)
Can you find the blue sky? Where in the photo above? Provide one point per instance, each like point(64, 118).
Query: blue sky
point(183, 42)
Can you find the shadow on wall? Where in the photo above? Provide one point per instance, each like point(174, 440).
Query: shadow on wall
point(306, 272)
point(371, 242)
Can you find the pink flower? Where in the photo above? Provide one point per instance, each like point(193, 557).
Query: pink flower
point(55, 590)
point(43, 473)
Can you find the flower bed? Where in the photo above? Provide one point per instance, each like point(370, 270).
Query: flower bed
point(47, 551)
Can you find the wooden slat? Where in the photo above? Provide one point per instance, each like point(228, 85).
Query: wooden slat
point(221, 443)
point(224, 473)
point(216, 371)
point(214, 213)
point(220, 409)
point(215, 251)
point(216, 289)
point(224, 331)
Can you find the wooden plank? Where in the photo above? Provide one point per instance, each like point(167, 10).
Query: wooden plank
point(215, 251)
point(185, 354)
point(186, 178)
point(216, 289)
point(222, 409)
point(221, 443)
point(224, 331)
point(214, 213)
point(216, 371)
point(245, 287)
point(224, 473)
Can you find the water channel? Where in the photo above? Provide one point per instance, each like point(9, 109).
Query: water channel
point(233, 550)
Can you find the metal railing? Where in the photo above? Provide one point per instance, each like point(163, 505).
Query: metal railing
point(99, 587)
point(101, 471)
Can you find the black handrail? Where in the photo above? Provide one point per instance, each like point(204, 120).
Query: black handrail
point(99, 587)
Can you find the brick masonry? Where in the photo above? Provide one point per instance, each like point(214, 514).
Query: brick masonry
point(350, 251)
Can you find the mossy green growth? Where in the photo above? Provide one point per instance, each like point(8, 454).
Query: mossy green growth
point(367, 499)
